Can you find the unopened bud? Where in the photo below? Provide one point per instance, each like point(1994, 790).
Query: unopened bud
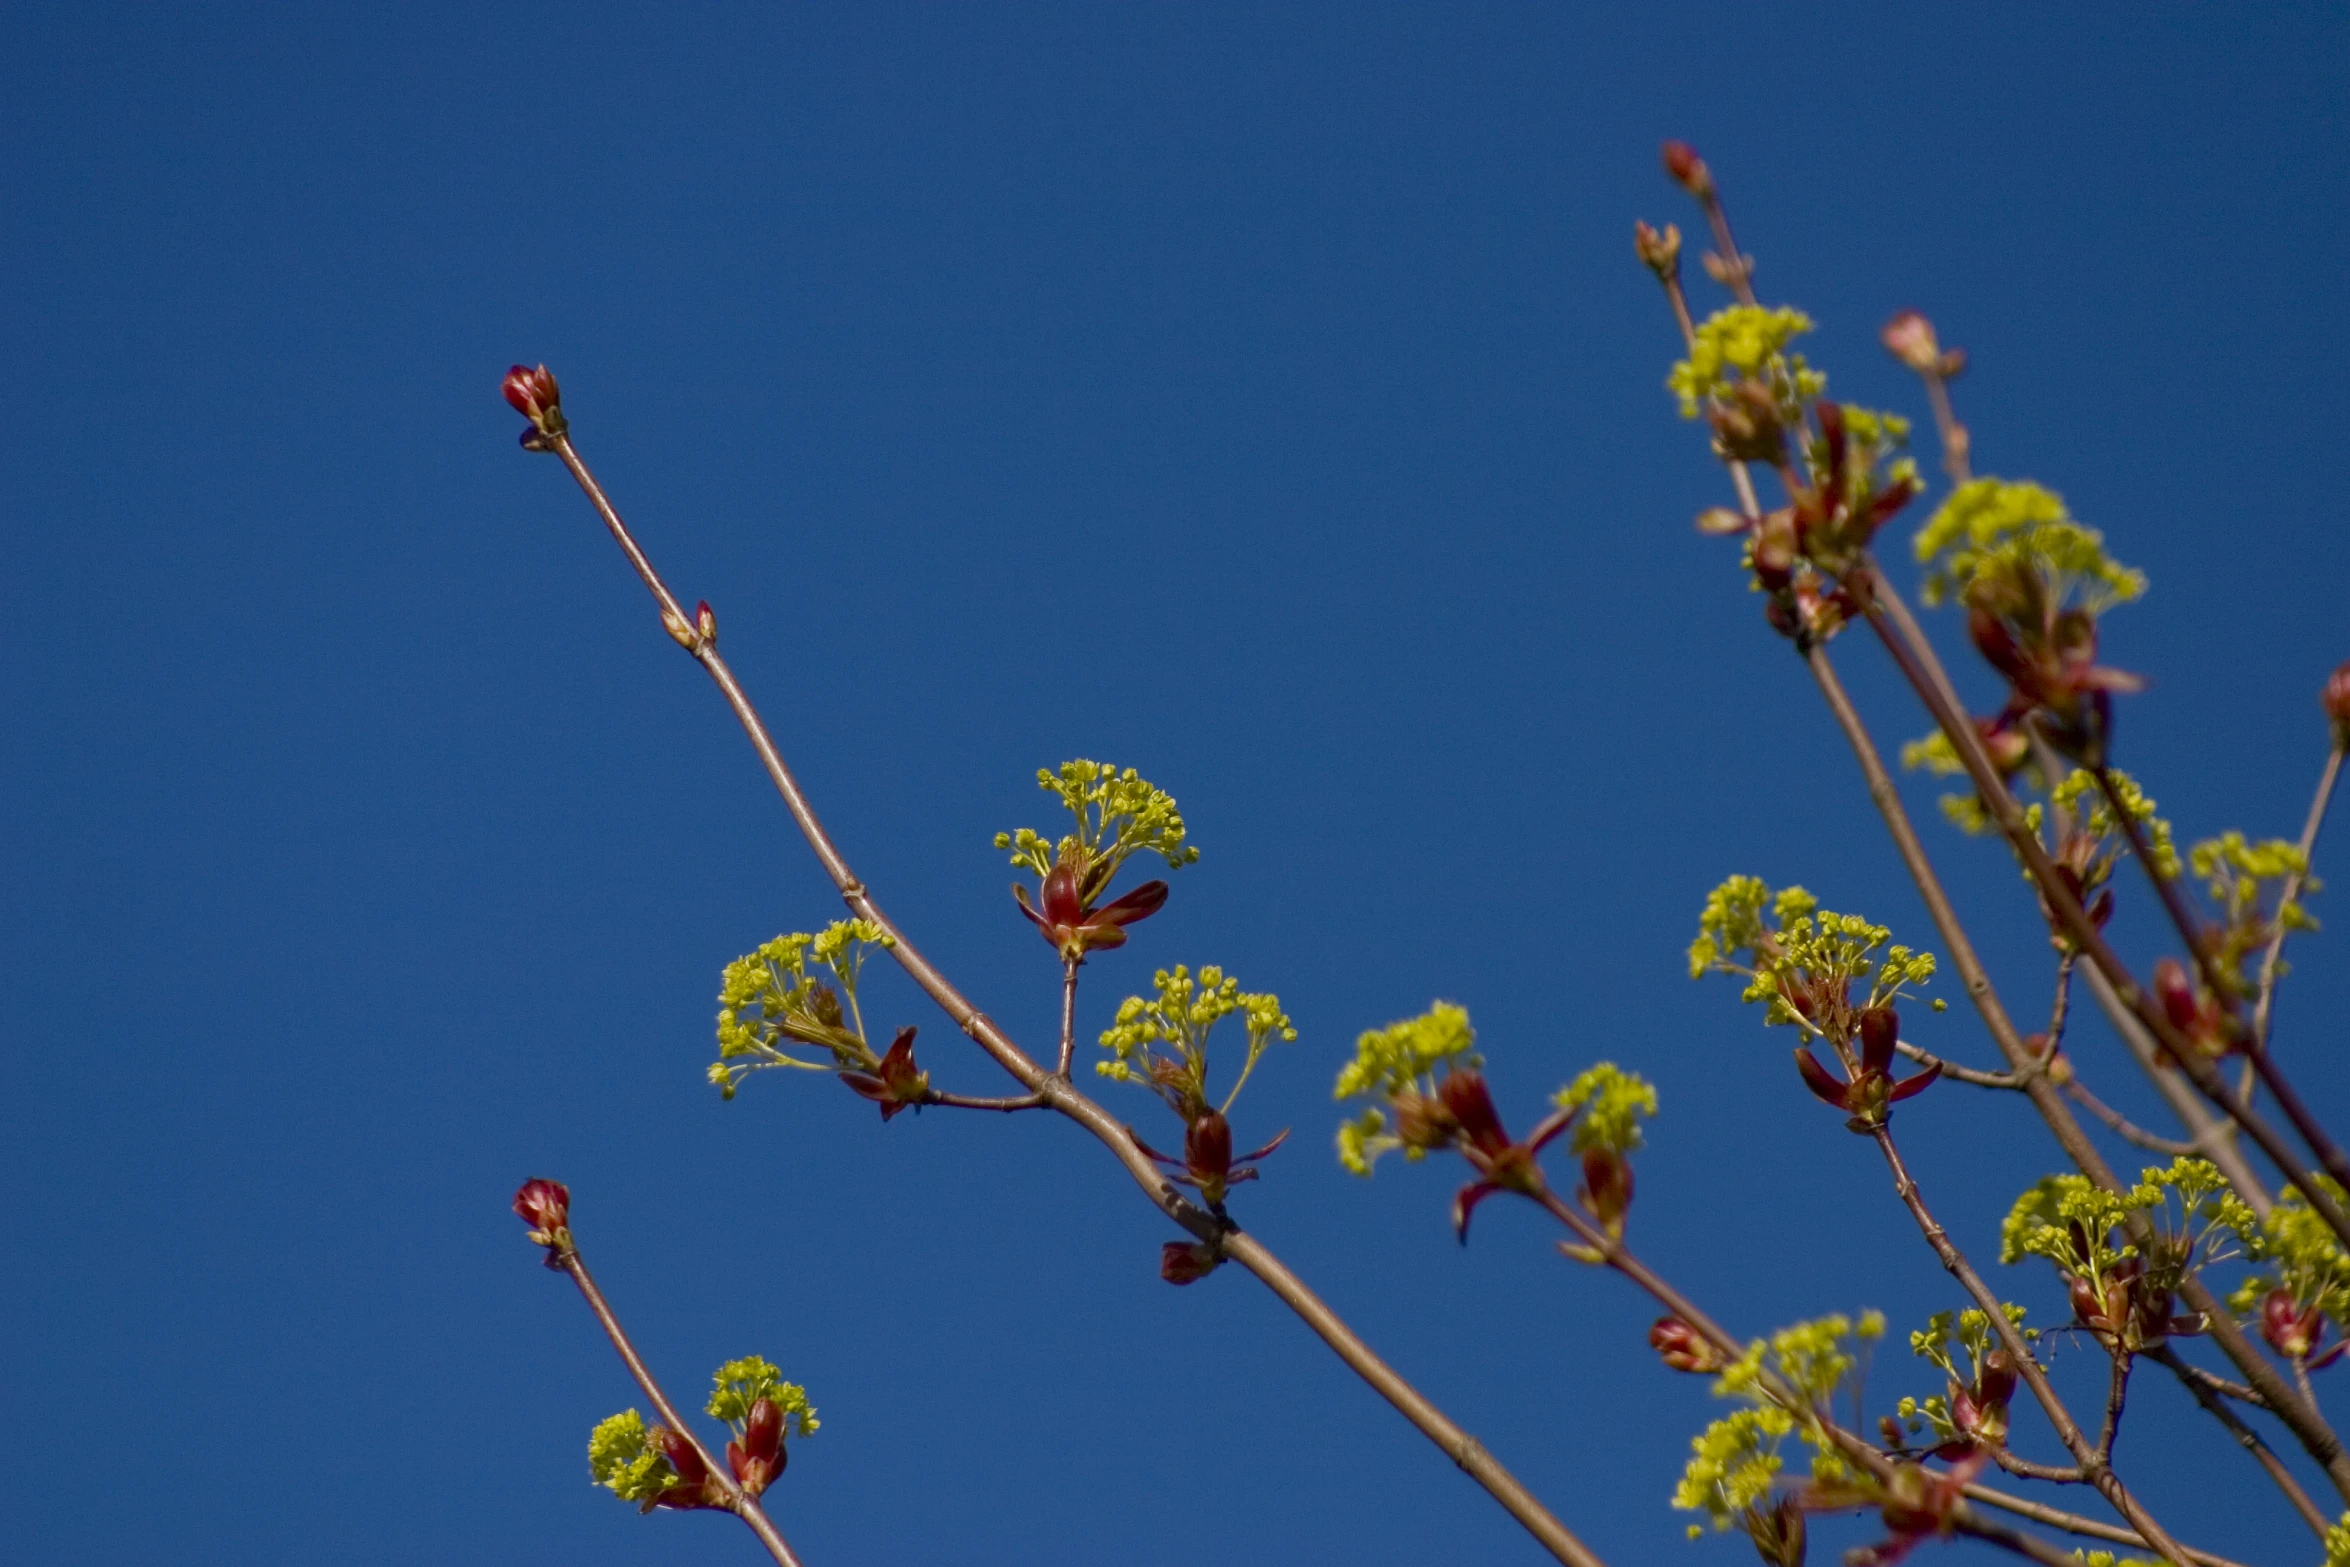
point(1909, 337)
point(679, 632)
point(535, 396)
point(1719, 520)
point(1660, 253)
point(1682, 1347)
point(2176, 994)
point(546, 1207)
point(1688, 169)
point(1778, 1533)
point(706, 621)
point(1188, 1262)
point(2337, 705)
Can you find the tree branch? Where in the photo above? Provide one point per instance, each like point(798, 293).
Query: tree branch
point(2206, 1389)
point(1928, 682)
point(566, 1259)
point(698, 637)
point(2292, 888)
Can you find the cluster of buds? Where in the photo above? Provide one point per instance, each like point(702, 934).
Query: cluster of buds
point(1827, 525)
point(1467, 1120)
point(2130, 1312)
point(1660, 253)
point(2200, 1018)
point(2295, 1331)
point(2048, 656)
point(758, 1455)
point(894, 1082)
point(1207, 1164)
point(2081, 863)
point(1868, 1095)
point(1065, 913)
point(1918, 1506)
point(1679, 1345)
point(696, 1486)
point(535, 396)
point(1980, 1411)
point(546, 1207)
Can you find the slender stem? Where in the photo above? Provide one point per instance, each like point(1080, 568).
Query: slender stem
point(1615, 1255)
point(2026, 1469)
point(2124, 1128)
point(1740, 272)
point(2073, 1523)
point(2292, 888)
point(2019, 1543)
point(2078, 928)
point(1068, 1017)
point(1458, 1445)
point(2093, 1460)
point(1956, 445)
point(2214, 1138)
point(1923, 671)
point(746, 1507)
point(2200, 1383)
point(1054, 1089)
point(971, 1102)
point(2114, 1398)
point(2301, 1380)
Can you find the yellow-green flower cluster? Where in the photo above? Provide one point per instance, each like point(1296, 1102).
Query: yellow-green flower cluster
point(739, 1384)
point(623, 1459)
point(1611, 1104)
point(1733, 1462)
point(1399, 1061)
point(1741, 342)
point(2055, 1216)
point(1800, 949)
point(2242, 878)
point(769, 1001)
point(2093, 814)
point(1118, 813)
point(1989, 531)
point(1970, 1330)
point(1180, 1017)
point(1737, 1457)
point(2302, 1257)
point(2338, 1543)
point(2108, 1559)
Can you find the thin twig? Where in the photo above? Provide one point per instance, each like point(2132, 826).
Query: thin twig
point(2206, 1388)
point(566, 1258)
point(1916, 660)
point(2307, 1425)
point(2095, 1467)
point(971, 1102)
point(1068, 1016)
point(2114, 1397)
point(2213, 1137)
point(2124, 1128)
point(2313, 1133)
point(2074, 1523)
point(2292, 889)
point(1056, 1090)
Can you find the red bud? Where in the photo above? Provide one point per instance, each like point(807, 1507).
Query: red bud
point(2178, 996)
point(1909, 337)
point(546, 1207)
point(1880, 1030)
point(1682, 1347)
point(1188, 1262)
point(683, 1456)
point(535, 396)
point(1688, 169)
point(2337, 704)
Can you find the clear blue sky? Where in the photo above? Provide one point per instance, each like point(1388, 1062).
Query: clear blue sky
point(1267, 399)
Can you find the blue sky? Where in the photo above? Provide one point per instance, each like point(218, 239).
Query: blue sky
point(1265, 399)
